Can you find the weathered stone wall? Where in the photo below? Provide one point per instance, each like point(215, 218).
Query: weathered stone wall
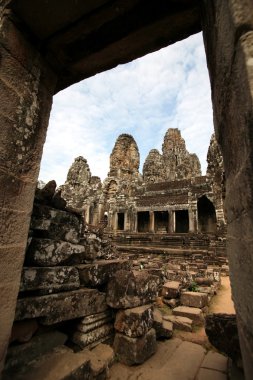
point(27, 86)
point(228, 36)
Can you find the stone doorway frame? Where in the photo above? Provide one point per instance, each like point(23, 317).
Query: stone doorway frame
point(27, 88)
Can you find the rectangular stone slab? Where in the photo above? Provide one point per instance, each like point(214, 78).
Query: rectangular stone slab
point(62, 306)
point(194, 299)
point(84, 339)
point(193, 313)
point(49, 280)
point(99, 272)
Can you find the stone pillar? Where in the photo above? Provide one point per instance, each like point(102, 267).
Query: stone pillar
point(100, 212)
point(192, 221)
point(151, 221)
point(172, 227)
point(26, 90)
point(228, 36)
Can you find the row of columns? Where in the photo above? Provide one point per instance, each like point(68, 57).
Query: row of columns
point(131, 222)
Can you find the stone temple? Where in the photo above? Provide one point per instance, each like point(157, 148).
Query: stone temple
point(170, 197)
point(49, 273)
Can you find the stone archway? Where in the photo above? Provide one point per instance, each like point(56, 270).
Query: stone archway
point(35, 64)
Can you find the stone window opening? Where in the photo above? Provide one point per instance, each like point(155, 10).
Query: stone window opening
point(143, 221)
point(182, 221)
point(206, 215)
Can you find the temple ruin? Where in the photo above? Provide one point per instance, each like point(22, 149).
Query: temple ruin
point(170, 196)
point(46, 47)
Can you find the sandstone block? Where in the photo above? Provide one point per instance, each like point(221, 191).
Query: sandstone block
point(171, 289)
point(99, 272)
point(127, 289)
point(49, 280)
point(179, 323)
point(194, 299)
point(163, 328)
point(47, 252)
point(134, 322)
point(61, 306)
point(190, 312)
point(85, 339)
point(132, 351)
point(55, 224)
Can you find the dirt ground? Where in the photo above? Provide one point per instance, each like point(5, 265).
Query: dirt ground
point(222, 302)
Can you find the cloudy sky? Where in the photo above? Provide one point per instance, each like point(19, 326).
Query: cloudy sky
point(166, 89)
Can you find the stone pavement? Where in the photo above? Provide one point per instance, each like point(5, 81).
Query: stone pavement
point(176, 360)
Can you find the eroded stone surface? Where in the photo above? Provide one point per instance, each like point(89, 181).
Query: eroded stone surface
point(134, 322)
point(49, 280)
point(99, 272)
point(127, 289)
point(61, 306)
point(83, 339)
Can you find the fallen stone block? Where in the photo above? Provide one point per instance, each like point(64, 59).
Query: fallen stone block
point(179, 323)
point(190, 312)
point(194, 299)
point(134, 322)
point(21, 355)
point(127, 289)
point(171, 289)
point(47, 253)
point(50, 223)
point(61, 306)
point(85, 339)
point(132, 351)
point(49, 280)
point(101, 358)
point(99, 272)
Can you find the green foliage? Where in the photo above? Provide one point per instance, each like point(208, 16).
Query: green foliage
point(193, 287)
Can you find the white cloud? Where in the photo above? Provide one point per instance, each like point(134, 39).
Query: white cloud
point(166, 89)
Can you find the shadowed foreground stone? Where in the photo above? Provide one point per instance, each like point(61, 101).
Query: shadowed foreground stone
point(128, 289)
point(20, 355)
point(62, 306)
point(134, 350)
point(222, 333)
point(134, 322)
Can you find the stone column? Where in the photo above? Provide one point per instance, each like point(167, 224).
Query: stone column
point(228, 37)
point(172, 227)
point(192, 221)
point(26, 90)
point(151, 221)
